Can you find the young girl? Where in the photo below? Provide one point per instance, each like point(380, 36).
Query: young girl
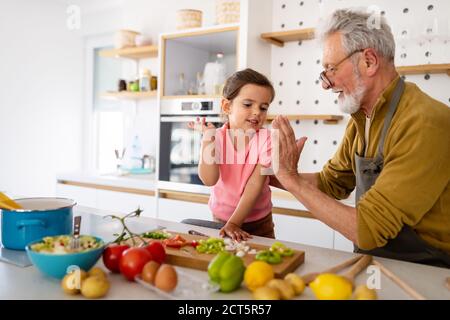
point(233, 158)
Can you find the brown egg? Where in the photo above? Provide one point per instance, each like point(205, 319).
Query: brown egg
point(166, 278)
point(149, 271)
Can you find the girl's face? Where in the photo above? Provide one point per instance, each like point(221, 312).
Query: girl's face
point(248, 110)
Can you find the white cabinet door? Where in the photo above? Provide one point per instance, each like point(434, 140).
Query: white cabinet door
point(83, 196)
point(342, 243)
point(121, 202)
point(175, 210)
point(303, 230)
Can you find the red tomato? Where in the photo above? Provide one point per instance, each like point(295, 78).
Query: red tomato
point(132, 262)
point(111, 256)
point(157, 251)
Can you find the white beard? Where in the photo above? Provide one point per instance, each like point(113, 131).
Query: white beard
point(352, 102)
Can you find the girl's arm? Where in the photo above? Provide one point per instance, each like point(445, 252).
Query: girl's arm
point(248, 199)
point(208, 169)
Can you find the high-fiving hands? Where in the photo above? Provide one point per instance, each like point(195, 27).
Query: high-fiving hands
point(289, 151)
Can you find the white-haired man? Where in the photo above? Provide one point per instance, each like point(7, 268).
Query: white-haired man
point(395, 150)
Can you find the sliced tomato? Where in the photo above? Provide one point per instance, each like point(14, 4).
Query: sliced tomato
point(175, 242)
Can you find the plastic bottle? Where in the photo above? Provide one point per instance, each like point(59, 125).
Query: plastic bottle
point(220, 74)
point(144, 80)
point(136, 153)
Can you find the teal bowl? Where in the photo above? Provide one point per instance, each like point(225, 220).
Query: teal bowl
point(58, 265)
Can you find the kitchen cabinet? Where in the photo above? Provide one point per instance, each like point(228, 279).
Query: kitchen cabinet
point(83, 196)
point(174, 210)
point(185, 54)
point(342, 243)
point(303, 230)
point(114, 201)
point(122, 202)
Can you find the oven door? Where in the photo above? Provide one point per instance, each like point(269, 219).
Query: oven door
point(180, 149)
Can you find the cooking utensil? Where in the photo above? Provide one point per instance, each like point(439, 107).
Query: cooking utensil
point(75, 240)
point(357, 268)
point(6, 206)
point(196, 233)
point(40, 217)
point(413, 293)
point(8, 202)
point(309, 277)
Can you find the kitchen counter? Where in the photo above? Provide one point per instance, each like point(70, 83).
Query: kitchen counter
point(143, 181)
point(283, 201)
point(29, 283)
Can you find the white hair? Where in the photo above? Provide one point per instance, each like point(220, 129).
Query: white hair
point(359, 32)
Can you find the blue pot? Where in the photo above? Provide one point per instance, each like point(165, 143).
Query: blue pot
point(41, 217)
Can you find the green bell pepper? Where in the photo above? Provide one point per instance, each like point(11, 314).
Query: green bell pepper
point(227, 270)
point(282, 249)
point(271, 257)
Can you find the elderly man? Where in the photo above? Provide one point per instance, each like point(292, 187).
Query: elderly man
point(395, 151)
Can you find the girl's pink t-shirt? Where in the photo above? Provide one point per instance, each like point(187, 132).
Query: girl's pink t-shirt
point(235, 170)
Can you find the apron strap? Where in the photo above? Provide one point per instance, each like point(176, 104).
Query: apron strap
point(390, 114)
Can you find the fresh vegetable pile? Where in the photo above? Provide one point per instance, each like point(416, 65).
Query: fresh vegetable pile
point(210, 246)
point(275, 253)
point(61, 245)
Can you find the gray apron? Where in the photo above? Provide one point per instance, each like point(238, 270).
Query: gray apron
point(407, 245)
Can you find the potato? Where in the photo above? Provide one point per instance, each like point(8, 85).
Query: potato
point(296, 281)
point(362, 292)
point(95, 287)
point(71, 283)
point(96, 271)
point(266, 293)
point(286, 290)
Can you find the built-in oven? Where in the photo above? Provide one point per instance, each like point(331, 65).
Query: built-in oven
point(179, 146)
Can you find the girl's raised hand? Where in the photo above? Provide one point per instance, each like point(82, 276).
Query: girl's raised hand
point(201, 125)
point(234, 232)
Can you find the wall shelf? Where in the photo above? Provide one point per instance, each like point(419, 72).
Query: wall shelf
point(424, 69)
point(131, 53)
point(192, 96)
point(129, 95)
point(326, 118)
point(279, 38)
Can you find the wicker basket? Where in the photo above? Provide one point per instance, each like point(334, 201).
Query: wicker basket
point(125, 39)
point(227, 11)
point(189, 18)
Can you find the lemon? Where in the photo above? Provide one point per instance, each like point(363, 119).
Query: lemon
point(329, 286)
point(257, 274)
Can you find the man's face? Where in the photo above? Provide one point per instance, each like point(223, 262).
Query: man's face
point(343, 74)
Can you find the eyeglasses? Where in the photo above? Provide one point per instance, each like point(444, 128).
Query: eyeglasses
point(333, 69)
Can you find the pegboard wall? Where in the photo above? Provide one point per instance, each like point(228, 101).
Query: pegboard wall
point(422, 32)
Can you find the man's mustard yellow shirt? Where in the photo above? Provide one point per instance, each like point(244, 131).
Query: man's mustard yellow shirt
point(413, 188)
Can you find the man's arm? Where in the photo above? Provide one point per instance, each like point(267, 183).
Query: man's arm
point(305, 187)
point(336, 215)
point(312, 178)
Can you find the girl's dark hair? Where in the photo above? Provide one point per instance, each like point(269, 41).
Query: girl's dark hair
point(240, 78)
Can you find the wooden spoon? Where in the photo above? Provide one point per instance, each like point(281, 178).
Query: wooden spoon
point(8, 203)
point(4, 206)
point(309, 277)
point(357, 268)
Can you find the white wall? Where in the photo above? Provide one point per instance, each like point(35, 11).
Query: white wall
point(41, 69)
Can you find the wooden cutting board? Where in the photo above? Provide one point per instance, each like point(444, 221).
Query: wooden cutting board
point(188, 257)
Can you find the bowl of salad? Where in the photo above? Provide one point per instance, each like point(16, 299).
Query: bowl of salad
point(54, 257)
